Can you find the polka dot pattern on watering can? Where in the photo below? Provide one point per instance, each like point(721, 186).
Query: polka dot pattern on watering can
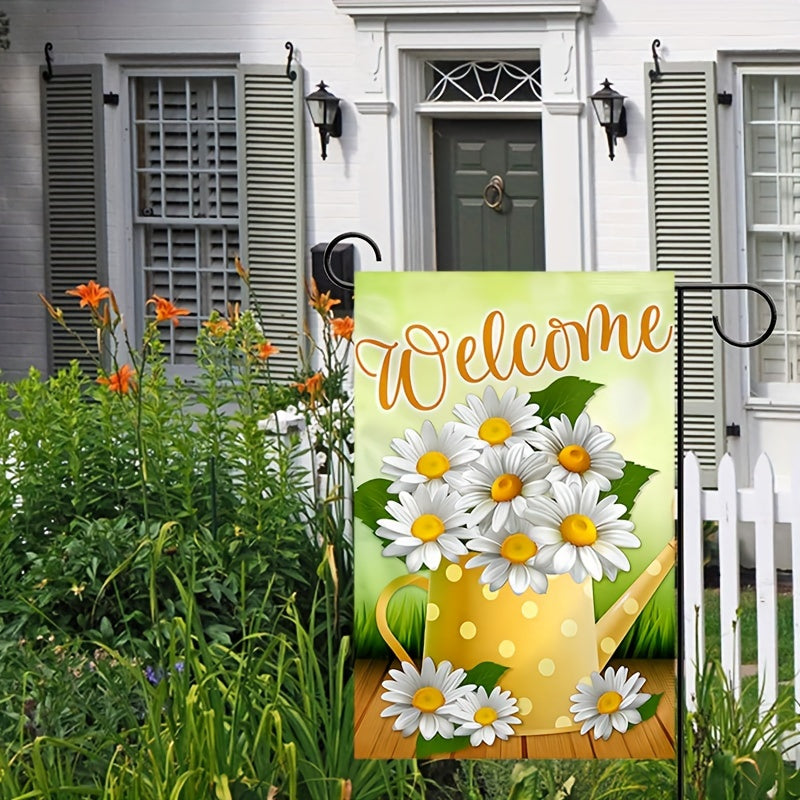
point(506, 648)
point(488, 593)
point(432, 612)
point(630, 606)
point(524, 705)
point(547, 667)
point(569, 628)
point(608, 645)
point(454, 573)
point(529, 609)
point(468, 630)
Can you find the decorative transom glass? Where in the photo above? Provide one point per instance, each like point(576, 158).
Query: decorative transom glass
point(483, 81)
point(772, 179)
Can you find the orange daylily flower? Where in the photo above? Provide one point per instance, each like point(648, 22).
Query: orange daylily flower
point(266, 350)
point(166, 310)
point(321, 302)
point(217, 327)
point(119, 381)
point(90, 293)
point(342, 327)
point(313, 386)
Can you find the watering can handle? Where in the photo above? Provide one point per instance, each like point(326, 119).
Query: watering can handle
point(383, 604)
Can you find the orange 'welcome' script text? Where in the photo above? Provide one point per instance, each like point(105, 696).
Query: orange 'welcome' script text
point(500, 353)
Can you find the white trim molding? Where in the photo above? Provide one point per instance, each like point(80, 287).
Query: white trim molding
point(564, 107)
point(372, 8)
point(384, 107)
point(395, 39)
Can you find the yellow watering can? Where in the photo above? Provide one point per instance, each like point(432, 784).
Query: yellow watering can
point(549, 642)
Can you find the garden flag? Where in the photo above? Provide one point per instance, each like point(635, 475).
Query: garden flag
point(514, 534)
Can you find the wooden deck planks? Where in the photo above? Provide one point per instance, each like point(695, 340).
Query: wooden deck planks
point(374, 737)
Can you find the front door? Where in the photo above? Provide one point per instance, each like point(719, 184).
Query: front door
point(489, 200)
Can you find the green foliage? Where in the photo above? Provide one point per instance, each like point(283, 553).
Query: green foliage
point(568, 395)
point(735, 748)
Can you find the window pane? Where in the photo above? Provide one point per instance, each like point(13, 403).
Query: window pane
point(185, 160)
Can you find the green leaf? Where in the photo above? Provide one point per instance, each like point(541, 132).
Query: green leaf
point(568, 395)
point(721, 777)
point(648, 709)
point(627, 487)
point(439, 745)
point(758, 774)
point(369, 501)
point(485, 674)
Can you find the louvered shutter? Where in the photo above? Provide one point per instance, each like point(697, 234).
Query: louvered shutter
point(74, 200)
point(272, 205)
point(684, 235)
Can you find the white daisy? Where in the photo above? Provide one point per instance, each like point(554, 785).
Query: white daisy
point(579, 453)
point(509, 556)
point(503, 479)
point(486, 717)
point(425, 526)
point(611, 702)
point(424, 700)
point(578, 534)
point(502, 422)
point(428, 457)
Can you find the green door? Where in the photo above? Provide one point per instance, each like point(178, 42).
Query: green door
point(489, 204)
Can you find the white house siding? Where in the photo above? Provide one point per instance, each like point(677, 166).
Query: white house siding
point(358, 187)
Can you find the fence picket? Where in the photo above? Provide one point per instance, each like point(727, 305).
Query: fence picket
point(766, 584)
point(730, 630)
point(692, 555)
point(794, 493)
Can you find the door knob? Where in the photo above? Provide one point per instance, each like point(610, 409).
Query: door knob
point(493, 193)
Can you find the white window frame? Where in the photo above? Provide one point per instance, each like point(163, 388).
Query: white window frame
point(757, 393)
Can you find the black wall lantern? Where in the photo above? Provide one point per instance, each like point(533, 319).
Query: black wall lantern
point(609, 105)
point(325, 114)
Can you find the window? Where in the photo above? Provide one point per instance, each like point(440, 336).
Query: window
point(772, 183)
point(186, 206)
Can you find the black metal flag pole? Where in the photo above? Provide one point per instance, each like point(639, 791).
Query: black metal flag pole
point(682, 289)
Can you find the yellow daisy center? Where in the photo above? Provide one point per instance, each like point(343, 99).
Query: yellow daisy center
point(574, 458)
point(427, 527)
point(433, 464)
point(494, 430)
point(485, 716)
point(506, 487)
point(427, 699)
point(518, 548)
point(579, 530)
point(609, 702)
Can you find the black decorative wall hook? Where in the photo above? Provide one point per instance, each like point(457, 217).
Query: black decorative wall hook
point(47, 75)
point(290, 73)
point(655, 74)
point(681, 290)
point(326, 258)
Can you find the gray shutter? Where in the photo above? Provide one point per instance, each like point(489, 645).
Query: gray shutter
point(685, 236)
point(74, 200)
point(272, 212)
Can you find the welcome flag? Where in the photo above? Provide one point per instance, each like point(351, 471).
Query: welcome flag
point(514, 534)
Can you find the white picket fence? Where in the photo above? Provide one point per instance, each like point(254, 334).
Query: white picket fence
point(729, 505)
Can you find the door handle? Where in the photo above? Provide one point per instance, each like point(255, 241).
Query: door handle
point(493, 193)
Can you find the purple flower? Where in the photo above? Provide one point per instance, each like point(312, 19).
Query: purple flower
point(154, 674)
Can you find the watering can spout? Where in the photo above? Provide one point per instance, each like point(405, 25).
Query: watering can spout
point(612, 627)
